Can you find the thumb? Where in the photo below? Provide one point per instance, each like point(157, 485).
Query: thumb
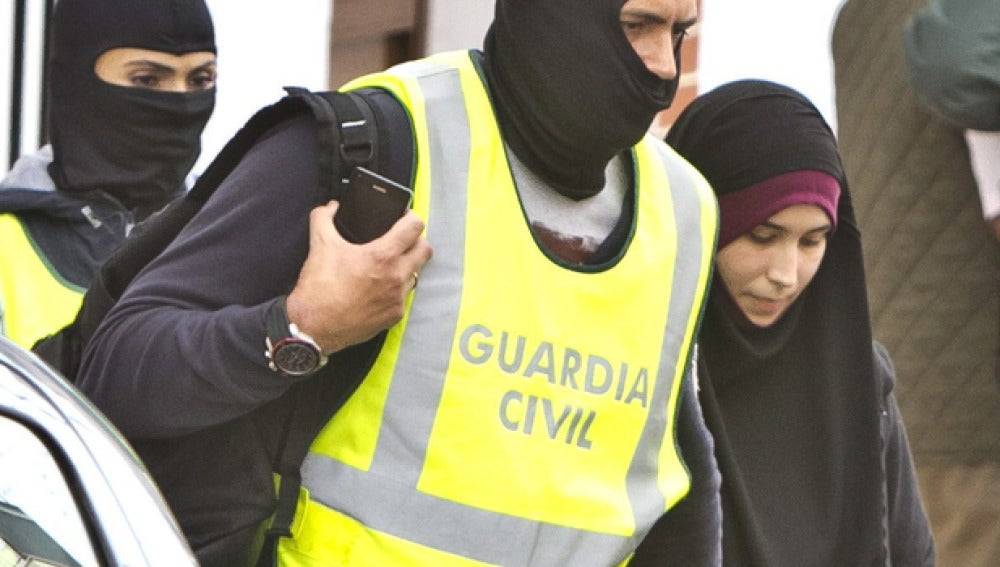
point(321, 222)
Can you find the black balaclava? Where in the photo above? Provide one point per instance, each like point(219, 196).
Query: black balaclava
point(793, 408)
point(570, 91)
point(135, 144)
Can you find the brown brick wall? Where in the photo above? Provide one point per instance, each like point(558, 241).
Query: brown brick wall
point(688, 88)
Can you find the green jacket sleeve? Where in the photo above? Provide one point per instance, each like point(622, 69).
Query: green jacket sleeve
point(953, 58)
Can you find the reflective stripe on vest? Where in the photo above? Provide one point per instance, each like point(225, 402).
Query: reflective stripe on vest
point(522, 412)
point(34, 299)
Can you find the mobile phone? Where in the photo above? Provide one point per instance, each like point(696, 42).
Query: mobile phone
point(370, 205)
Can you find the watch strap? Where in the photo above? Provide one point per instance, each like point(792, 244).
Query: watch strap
point(284, 340)
point(276, 321)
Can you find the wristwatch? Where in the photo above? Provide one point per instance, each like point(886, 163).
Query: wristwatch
point(289, 350)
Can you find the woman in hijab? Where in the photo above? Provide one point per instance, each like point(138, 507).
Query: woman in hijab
point(816, 468)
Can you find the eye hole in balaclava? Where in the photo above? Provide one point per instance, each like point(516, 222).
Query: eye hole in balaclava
point(134, 144)
point(569, 90)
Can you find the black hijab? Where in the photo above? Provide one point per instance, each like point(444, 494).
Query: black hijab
point(794, 407)
point(134, 144)
point(570, 91)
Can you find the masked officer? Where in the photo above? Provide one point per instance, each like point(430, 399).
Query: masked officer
point(131, 88)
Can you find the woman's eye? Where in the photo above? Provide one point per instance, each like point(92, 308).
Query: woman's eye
point(815, 239)
point(760, 237)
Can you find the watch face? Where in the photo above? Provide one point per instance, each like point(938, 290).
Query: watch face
point(296, 357)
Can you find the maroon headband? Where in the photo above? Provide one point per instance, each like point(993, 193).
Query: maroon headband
point(741, 211)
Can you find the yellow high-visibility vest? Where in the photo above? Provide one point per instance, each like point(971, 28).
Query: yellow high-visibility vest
point(523, 411)
point(36, 301)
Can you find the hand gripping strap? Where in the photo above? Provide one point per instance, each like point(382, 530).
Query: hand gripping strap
point(348, 137)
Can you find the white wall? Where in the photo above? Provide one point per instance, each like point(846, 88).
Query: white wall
point(786, 41)
point(457, 24)
point(263, 45)
point(6, 32)
point(31, 92)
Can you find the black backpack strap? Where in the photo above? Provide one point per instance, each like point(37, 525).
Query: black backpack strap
point(234, 150)
point(291, 453)
point(353, 125)
point(308, 414)
point(347, 134)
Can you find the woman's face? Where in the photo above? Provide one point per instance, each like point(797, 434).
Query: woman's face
point(156, 70)
point(766, 269)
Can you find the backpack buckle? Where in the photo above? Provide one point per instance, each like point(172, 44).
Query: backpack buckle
point(356, 145)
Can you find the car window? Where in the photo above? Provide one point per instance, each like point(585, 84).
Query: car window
point(40, 523)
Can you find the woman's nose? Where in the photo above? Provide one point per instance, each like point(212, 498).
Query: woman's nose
point(783, 267)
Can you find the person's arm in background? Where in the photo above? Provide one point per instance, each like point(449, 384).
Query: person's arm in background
point(184, 347)
point(953, 59)
point(909, 531)
point(984, 154)
point(690, 533)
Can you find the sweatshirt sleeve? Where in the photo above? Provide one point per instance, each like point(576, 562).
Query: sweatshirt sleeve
point(953, 57)
point(984, 156)
point(184, 347)
point(690, 533)
point(910, 540)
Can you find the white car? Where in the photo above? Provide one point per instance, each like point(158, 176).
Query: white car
point(72, 493)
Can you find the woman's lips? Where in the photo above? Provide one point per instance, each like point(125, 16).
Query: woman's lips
point(765, 305)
